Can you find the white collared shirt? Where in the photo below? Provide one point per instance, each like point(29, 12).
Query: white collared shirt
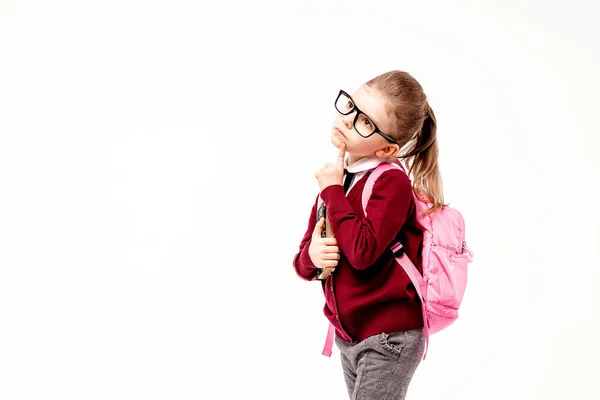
point(362, 166)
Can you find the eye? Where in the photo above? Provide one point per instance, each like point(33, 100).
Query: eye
point(365, 121)
point(349, 104)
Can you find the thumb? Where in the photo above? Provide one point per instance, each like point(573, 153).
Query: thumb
point(341, 156)
point(319, 227)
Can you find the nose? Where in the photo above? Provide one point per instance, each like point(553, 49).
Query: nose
point(348, 119)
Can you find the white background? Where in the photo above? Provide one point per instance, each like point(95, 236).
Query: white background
point(157, 164)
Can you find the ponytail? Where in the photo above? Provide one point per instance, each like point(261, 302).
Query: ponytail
point(415, 132)
point(422, 163)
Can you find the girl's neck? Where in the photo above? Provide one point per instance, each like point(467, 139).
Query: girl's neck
point(352, 158)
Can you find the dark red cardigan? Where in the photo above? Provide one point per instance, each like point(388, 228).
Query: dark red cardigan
point(369, 292)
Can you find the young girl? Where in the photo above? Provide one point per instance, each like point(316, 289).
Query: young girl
point(369, 299)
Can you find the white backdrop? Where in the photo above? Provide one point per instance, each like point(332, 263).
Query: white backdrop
point(157, 166)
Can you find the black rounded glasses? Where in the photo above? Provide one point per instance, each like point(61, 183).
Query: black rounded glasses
point(362, 123)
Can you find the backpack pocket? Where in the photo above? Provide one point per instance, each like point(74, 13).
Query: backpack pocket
point(447, 276)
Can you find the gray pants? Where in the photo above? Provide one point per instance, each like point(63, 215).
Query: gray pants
point(381, 366)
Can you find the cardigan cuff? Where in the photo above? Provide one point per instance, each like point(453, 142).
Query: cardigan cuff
point(306, 269)
point(332, 195)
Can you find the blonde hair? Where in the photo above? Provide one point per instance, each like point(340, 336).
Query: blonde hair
point(415, 132)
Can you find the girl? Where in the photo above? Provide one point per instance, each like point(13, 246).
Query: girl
point(369, 299)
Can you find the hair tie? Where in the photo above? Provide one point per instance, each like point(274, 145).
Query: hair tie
point(426, 111)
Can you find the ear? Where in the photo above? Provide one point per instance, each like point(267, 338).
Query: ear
point(388, 151)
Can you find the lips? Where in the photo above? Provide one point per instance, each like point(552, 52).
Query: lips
point(340, 132)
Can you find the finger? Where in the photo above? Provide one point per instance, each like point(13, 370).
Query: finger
point(331, 249)
point(330, 263)
point(341, 155)
point(319, 227)
point(331, 256)
point(330, 241)
point(320, 224)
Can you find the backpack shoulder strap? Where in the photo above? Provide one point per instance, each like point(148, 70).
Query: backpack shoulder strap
point(375, 174)
point(410, 269)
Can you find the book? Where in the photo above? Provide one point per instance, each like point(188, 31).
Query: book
point(324, 273)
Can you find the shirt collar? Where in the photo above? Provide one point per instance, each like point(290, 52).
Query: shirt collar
point(365, 163)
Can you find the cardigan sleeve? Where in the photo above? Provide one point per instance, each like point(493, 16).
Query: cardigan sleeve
point(303, 265)
point(364, 239)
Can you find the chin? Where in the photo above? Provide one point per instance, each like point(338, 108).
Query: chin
point(337, 140)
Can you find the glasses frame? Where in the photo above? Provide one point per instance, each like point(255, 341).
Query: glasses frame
point(358, 112)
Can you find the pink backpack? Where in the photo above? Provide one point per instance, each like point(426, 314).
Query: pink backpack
point(445, 257)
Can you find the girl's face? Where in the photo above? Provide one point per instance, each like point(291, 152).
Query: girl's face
point(343, 131)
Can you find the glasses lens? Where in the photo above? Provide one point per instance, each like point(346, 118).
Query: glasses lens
point(344, 104)
point(364, 125)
